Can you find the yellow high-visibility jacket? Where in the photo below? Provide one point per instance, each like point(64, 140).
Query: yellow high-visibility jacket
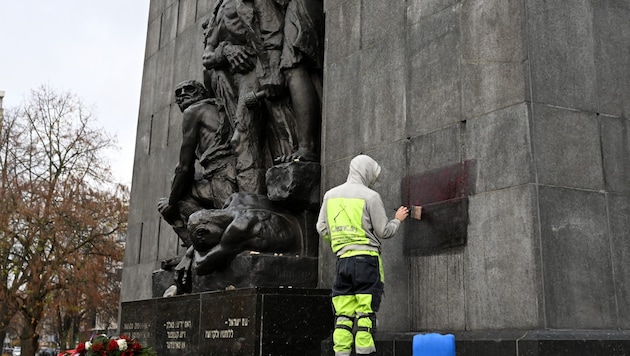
point(352, 217)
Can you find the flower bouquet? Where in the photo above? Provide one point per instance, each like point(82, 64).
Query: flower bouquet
point(101, 345)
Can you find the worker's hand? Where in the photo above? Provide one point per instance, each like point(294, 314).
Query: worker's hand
point(402, 213)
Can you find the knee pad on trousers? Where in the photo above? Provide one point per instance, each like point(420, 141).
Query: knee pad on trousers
point(361, 325)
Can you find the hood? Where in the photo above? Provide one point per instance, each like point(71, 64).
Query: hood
point(363, 170)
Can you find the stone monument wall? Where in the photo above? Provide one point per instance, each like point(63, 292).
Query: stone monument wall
point(173, 54)
point(534, 94)
point(532, 97)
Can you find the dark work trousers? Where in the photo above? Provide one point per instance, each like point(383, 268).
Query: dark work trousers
point(357, 292)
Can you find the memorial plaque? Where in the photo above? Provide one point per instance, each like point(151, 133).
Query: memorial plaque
point(228, 324)
point(177, 326)
point(251, 321)
point(295, 324)
point(137, 320)
point(265, 321)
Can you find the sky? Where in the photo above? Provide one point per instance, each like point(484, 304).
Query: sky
point(92, 48)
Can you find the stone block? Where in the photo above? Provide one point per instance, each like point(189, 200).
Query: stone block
point(155, 10)
point(177, 325)
point(518, 343)
point(168, 30)
point(619, 210)
point(493, 31)
point(168, 243)
point(340, 131)
point(491, 86)
point(171, 121)
point(418, 10)
point(431, 31)
point(437, 291)
point(502, 261)
point(382, 116)
point(611, 28)
point(345, 21)
point(576, 253)
point(616, 150)
point(443, 226)
point(149, 238)
point(162, 280)
point(443, 195)
point(261, 321)
point(335, 173)
point(164, 86)
point(561, 47)
point(567, 148)
point(296, 183)
point(249, 270)
point(153, 37)
point(500, 144)
point(330, 4)
point(187, 16)
point(138, 320)
point(204, 8)
point(435, 149)
point(136, 281)
point(382, 20)
point(433, 85)
point(132, 242)
point(161, 129)
point(439, 185)
point(143, 134)
point(189, 54)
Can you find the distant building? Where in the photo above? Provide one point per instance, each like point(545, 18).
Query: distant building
point(1, 109)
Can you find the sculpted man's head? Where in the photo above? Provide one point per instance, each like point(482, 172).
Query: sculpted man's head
point(207, 227)
point(189, 92)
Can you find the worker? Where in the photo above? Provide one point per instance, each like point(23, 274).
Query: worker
point(352, 220)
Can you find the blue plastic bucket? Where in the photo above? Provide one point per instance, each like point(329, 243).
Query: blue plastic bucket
point(434, 345)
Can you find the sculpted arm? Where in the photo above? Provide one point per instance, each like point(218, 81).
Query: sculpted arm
point(212, 54)
point(185, 170)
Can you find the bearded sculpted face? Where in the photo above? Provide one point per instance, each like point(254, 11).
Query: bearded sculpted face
point(189, 92)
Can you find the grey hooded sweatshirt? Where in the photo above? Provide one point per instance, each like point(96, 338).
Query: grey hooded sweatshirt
point(352, 216)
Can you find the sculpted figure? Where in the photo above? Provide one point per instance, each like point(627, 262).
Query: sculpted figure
point(279, 43)
point(247, 222)
point(262, 67)
point(205, 138)
point(230, 60)
point(300, 64)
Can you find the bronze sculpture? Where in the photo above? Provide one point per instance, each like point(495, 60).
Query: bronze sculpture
point(205, 139)
point(262, 97)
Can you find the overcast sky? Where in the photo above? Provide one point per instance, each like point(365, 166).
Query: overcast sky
point(92, 48)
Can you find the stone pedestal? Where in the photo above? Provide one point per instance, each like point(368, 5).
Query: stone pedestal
point(253, 321)
point(515, 342)
point(249, 270)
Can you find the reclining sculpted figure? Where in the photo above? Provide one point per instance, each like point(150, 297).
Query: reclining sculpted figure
point(247, 222)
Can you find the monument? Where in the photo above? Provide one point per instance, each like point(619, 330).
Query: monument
point(244, 190)
point(512, 119)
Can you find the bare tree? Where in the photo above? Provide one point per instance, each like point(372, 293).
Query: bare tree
point(65, 214)
point(9, 137)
